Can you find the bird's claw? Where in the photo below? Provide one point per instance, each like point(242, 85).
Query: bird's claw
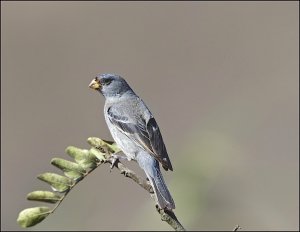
point(114, 160)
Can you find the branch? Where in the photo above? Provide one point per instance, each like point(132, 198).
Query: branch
point(166, 215)
point(85, 162)
point(237, 228)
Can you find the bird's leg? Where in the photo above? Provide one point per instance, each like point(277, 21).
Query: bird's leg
point(116, 157)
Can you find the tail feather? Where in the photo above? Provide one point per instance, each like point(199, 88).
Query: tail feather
point(162, 193)
point(152, 170)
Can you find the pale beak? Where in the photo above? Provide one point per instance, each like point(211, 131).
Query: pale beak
point(95, 84)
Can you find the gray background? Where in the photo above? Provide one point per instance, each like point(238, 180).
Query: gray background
point(221, 79)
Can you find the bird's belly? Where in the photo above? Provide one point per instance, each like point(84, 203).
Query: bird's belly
point(128, 146)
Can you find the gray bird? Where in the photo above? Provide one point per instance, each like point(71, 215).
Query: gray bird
point(136, 132)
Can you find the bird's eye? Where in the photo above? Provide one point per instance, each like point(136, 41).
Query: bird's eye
point(106, 81)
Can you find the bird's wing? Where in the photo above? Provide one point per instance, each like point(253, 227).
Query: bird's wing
point(145, 134)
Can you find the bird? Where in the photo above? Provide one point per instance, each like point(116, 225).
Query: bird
point(135, 131)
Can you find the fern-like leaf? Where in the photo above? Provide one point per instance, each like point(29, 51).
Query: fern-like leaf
point(85, 162)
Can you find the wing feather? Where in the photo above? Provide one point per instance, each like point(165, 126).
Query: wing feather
point(145, 134)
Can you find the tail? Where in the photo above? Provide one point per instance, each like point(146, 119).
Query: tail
point(151, 167)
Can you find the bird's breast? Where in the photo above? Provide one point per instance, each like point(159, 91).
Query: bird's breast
point(128, 146)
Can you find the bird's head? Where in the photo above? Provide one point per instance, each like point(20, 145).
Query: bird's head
point(109, 85)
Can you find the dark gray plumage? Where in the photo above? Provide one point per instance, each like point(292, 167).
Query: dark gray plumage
point(136, 132)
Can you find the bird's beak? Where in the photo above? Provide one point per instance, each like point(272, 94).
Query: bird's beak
point(95, 84)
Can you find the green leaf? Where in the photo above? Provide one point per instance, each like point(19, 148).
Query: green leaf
point(76, 153)
point(32, 216)
point(44, 196)
point(98, 154)
point(58, 183)
point(108, 141)
point(107, 146)
point(82, 157)
point(70, 169)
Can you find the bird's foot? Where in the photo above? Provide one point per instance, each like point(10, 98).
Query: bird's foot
point(116, 158)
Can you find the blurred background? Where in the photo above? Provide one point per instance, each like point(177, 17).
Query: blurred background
point(221, 78)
